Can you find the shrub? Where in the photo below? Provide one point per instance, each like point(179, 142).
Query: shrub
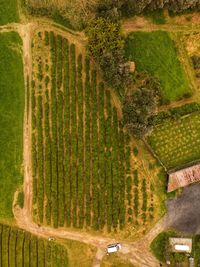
point(196, 61)
point(20, 199)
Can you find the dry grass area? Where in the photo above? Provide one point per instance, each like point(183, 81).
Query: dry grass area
point(192, 42)
point(185, 19)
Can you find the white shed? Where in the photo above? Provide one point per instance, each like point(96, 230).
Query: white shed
point(181, 245)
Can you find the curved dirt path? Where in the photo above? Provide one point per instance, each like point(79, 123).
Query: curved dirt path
point(137, 252)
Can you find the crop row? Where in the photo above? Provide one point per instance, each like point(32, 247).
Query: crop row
point(18, 248)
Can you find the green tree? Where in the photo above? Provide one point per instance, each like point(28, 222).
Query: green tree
point(106, 45)
point(140, 106)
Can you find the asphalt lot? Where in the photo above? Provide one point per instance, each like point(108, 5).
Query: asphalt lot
point(184, 212)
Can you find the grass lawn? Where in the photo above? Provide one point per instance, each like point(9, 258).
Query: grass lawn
point(155, 53)
point(177, 142)
point(8, 11)
point(11, 120)
point(79, 254)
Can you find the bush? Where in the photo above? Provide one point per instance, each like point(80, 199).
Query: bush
point(196, 61)
point(20, 199)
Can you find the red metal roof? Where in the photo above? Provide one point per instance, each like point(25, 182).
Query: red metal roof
point(184, 177)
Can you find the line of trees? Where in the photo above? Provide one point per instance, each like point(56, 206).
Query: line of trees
point(106, 45)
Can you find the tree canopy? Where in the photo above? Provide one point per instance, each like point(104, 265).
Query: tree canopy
point(140, 106)
point(106, 44)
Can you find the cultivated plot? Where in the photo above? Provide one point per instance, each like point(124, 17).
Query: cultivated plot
point(19, 248)
point(177, 142)
point(155, 53)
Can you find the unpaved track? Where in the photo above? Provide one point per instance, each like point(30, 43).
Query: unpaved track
point(137, 252)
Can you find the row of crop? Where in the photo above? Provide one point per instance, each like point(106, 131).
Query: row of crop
point(80, 135)
point(18, 248)
point(108, 162)
point(60, 137)
point(66, 126)
point(139, 198)
point(73, 137)
point(54, 151)
point(95, 167)
point(101, 152)
point(122, 182)
point(87, 142)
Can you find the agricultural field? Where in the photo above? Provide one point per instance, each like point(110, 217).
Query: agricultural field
point(9, 11)
point(19, 248)
point(11, 119)
point(155, 53)
point(176, 142)
point(82, 171)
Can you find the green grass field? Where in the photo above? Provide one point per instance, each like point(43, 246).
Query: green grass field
point(11, 120)
point(8, 11)
point(155, 53)
point(176, 142)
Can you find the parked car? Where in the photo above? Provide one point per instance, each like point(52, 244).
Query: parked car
point(113, 248)
point(51, 238)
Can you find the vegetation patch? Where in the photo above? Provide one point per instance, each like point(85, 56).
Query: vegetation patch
point(156, 16)
point(20, 199)
point(79, 254)
point(161, 250)
point(176, 142)
point(11, 120)
point(114, 260)
point(19, 248)
point(155, 53)
point(9, 11)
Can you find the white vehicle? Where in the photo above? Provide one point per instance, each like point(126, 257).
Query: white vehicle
point(113, 247)
point(51, 238)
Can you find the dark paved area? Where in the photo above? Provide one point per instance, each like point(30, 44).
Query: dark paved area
point(184, 212)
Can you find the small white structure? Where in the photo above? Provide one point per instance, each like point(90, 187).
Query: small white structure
point(181, 245)
point(113, 248)
point(184, 248)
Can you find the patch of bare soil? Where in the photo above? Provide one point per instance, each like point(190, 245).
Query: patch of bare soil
point(135, 23)
point(191, 19)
